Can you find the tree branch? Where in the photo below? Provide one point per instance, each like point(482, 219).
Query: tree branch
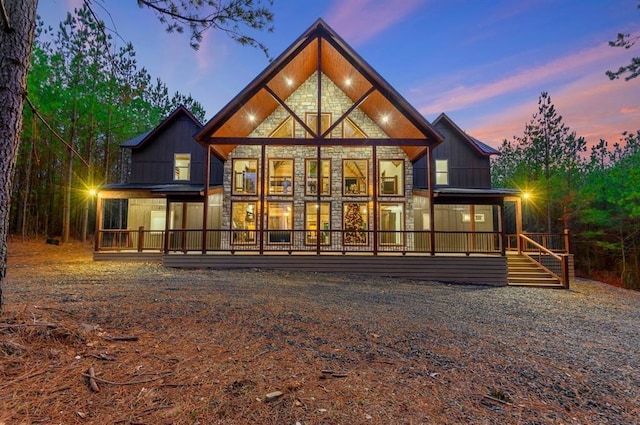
point(55, 133)
point(227, 15)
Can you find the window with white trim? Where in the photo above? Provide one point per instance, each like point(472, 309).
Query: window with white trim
point(442, 171)
point(182, 166)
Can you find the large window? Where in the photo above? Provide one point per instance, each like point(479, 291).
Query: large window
point(311, 177)
point(243, 222)
point(182, 166)
point(391, 223)
point(312, 210)
point(311, 120)
point(354, 177)
point(355, 222)
point(391, 177)
point(281, 177)
point(279, 221)
point(442, 171)
point(245, 173)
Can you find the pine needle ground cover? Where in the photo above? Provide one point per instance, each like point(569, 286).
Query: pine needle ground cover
point(136, 343)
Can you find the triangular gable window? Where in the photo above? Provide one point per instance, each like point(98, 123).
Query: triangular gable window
point(312, 121)
point(284, 130)
point(351, 131)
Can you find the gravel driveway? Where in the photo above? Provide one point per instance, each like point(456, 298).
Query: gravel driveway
point(340, 348)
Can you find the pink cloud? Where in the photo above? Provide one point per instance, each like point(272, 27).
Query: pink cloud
point(74, 4)
point(574, 64)
point(630, 110)
point(593, 107)
point(360, 20)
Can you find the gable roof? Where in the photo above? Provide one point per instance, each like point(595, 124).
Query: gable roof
point(319, 49)
point(480, 147)
point(143, 138)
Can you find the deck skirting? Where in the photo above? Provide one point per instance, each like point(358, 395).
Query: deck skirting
point(484, 270)
point(151, 257)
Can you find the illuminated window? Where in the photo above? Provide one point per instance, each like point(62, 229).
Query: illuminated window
point(354, 177)
point(351, 131)
point(245, 172)
point(442, 171)
point(243, 222)
point(391, 177)
point(312, 121)
point(182, 165)
point(355, 222)
point(279, 222)
point(312, 210)
point(391, 223)
point(284, 130)
point(281, 177)
point(311, 177)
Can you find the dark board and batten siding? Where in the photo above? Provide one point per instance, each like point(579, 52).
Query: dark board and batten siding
point(489, 270)
point(468, 168)
point(153, 162)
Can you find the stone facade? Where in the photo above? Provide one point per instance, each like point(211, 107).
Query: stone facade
point(334, 101)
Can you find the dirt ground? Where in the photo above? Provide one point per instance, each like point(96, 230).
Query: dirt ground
point(171, 346)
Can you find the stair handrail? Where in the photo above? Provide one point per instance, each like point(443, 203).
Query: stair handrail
point(563, 259)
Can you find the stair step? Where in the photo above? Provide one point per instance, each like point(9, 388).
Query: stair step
point(530, 275)
point(542, 279)
point(524, 272)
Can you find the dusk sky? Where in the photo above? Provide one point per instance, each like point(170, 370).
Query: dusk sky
point(483, 62)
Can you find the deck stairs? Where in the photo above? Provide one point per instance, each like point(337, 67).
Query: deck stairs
point(525, 272)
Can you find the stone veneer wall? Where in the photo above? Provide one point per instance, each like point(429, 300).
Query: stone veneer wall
point(336, 102)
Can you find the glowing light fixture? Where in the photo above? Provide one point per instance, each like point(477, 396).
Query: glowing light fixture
point(289, 81)
point(347, 82)
point(92, 192)
point(385, 119)
point(252, 117)
point(526, 195)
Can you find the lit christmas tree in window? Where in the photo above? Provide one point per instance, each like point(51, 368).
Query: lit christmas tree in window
point(354, 225)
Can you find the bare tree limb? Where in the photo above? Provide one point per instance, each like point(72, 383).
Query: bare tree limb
point(55, 133)
point(225, 16)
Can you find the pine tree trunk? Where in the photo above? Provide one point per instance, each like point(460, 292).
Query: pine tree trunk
point(17, 25)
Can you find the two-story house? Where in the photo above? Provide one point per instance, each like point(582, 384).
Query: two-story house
point(318, 164)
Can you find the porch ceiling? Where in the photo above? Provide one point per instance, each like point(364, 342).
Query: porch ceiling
point(350, 73)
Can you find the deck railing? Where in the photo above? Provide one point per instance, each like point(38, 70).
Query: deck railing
point(289, 241)
point(556, 242)
point(553, 263)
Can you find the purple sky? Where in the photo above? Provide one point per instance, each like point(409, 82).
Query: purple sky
point(484, 63)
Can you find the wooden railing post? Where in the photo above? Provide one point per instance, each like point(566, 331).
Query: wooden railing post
point(140, 238)
point(565, 271)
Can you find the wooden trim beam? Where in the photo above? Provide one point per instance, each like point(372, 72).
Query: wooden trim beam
point(432, 218)
point(312, 142)
point(289, 110)
point(355, 105)
point(205, 205)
